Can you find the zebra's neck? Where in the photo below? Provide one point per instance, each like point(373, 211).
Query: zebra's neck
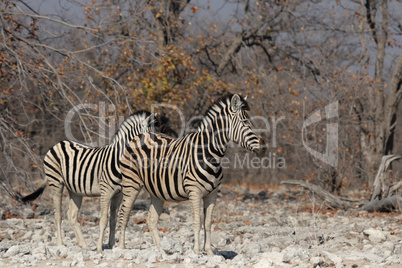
point(215, 127)
point(127, 131)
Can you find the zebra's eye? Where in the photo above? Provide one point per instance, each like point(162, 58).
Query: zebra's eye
point(246, 121)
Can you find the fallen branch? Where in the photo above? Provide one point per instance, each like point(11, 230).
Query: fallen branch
point(331, 200)
point(384, 205)
point(383, 199)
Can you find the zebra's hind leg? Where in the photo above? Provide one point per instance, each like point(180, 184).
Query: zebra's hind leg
point(114, 205)
point(56, 190)
point(129, 196)
point(72, 215)
point(195, 200)
point(209, 204)
point(154, 212)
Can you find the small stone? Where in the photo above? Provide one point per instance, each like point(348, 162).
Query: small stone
point(150, 255)
point(62, 251)
point(81, 264)
point(79, 257)
point(263, 264)
point(171, 245)
point(293, 252)
point(214, 261)
point(113, 255)
point(251, 248)
point(228, 254)
point(164, 217)
point(334, 258)
point(41, 249)
point(74, 263)
point(5, 235)
point(31, 215)
point(274, 256)
point(316, 261)
point(27, 236)
point(398, 249)
point(191, 258)
point(358, 228)
point(374, 235)
point(239, 261)
point(18, 250)
point(218, 240)
point(340, 213)
point(389, 245)
point(4, 224)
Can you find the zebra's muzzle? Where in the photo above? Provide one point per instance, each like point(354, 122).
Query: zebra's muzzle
point(260, 151)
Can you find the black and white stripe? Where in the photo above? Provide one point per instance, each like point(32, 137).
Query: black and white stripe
point(90, 171)
point(185, 168)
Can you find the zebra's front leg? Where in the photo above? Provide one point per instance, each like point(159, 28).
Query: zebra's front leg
point(209, 204)
point(72, 215)
point(195, 200)
point(154, 212)
point(114, 205)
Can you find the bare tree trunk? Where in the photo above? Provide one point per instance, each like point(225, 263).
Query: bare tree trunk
point(391, 105)
point(377, 131)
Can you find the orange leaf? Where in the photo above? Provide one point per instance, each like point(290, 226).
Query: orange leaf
point(140, 221)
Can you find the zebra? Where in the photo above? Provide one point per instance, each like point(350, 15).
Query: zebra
point(185, 168)
point(92, 172)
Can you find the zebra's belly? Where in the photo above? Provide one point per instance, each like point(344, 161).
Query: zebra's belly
point(166, 195)
point(83, 186)
point(168, 198)
point(93, 192)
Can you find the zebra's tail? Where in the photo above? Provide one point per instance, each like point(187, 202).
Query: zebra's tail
point(35, 194)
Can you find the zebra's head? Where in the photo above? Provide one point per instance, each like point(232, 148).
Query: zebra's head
point(240, 128)
point(140, 122)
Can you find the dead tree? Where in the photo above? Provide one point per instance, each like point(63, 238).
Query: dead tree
point(385, 196)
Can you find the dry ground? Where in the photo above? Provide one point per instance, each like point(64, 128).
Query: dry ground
point(277, 227)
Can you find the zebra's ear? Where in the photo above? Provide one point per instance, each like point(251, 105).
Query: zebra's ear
point(236, 103)
point(150, 121)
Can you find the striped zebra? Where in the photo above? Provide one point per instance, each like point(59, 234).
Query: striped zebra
point(90, 171)
point(185, 168)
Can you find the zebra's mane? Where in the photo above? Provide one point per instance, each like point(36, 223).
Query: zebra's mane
point(134, 118)
point(221, 103)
